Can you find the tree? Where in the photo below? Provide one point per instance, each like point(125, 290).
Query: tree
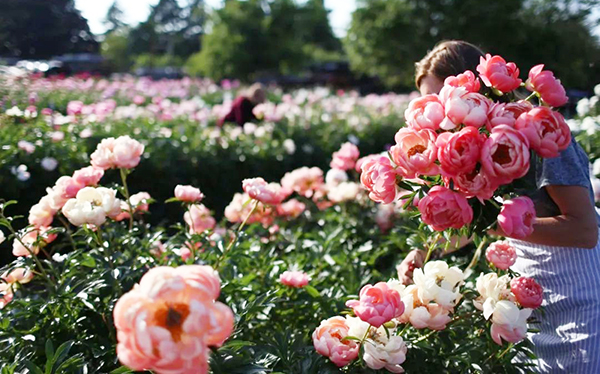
point(387, 37)
point(115, 48)
point(42, 29)
point(114, 18)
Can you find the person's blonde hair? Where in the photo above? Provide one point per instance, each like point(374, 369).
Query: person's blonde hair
point(448, 58)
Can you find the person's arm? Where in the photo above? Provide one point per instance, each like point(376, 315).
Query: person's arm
point(577, 225)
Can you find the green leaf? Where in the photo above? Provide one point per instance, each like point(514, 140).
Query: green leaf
point(49, 356)
point(122, 370)
point(33, 368)
point(312, 291)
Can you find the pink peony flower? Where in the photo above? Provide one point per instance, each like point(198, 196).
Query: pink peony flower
point(550, 89)
point(291, 208)
point(20, 275)
point(415, 152)
point(505, 155)
point(385, 353)
point(345, 158)
point(517, 217)
point(122, 152)
point(296, 279)
point(463, 108)
point(199, 219)
point(475, 183)
point(74, 108)
point(188, 194)
point(501, 254)
point(495, 72)
point(266, 193)
point(379, 178)
point(443, 208)
point(527, 291)
point(26, 146)
point(508, 332)
point(305, 181)
point(88, 176)
point(32, 241)
point(42, 213)
point(459, 152)
point(377, 304)
point(239, 208)
point(468, 80)
point(425, 112)
point(546, 130)
point(329, 341)
point(167, 322)
point(506, 113)
point(361, 161)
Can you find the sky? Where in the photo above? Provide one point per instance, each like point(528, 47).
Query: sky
point(136, 11)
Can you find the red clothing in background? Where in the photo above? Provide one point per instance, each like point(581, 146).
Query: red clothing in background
point(240, 113)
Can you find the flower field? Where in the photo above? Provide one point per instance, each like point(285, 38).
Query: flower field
point(138, 235)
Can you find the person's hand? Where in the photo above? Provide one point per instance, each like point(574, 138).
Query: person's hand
point(497, 231)
point(413, 260)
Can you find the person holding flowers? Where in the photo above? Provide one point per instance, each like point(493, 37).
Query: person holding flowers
point(480, 145)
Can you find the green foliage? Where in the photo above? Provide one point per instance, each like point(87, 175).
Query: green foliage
point(115, 49)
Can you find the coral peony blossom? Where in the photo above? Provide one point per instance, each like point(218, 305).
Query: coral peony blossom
point(459, 152)
point(266, 193)
point(199, 219)
point(92, 206)
point(527, 292)
point(501, 254)
point(443, 208)
point(123, 152)
point(88, 176)
point(328, 340)
point(188, 194)
point(345, 158)
point(495, 72)
point(517, 217)
point(546, 130)
point(425, 112)
point(505, 155)
point(20, 275)
point(506, 113)
point(42, 213)
point(305, 181)
point(296, 279)
point(386, 353)
point(377, 304)
point(547, 86)
point(475, 183)
point(31, 241)
point(169, 320)
point(468, 80)
point(515, 328)
point(415, 152)
point(463, 108)
point(291, 208)
point(379, 178)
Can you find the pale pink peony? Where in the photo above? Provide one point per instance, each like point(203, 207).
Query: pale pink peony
point(459, 152)
point(31, 242)
point(517, 217)
point(42, 213)
point(443, 208)
point(505, 155)
point(169, 320)
point(20, 275)
point(139, 202)
point(468, 80)
point(296, 279)
point(74, 108)
point(26, 146)
point(415, 152)
point(377, 304)
point(501, 254)
point(425, 112)
point(199, 219)
point(495, 72)
point(188, 194)
point(546, 130)
point(328, 340)
point(506, 113)
point(88, 176)
point(92, 206)
point(291, 208)
point(266, 193)
point(361, 161)
point(239, 208)
point(385, 353)
point(345, 158)
point(304, 181)
point(527, 292)
point(547, 86)
point(379, 178)
point(431, 316)
point(123, 152)
point(463, 108)
point(509, 333)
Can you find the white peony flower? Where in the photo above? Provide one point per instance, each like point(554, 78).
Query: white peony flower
point(92, 206)
point(356, 327)
point(386, 353)
point(49, 163)
point(597, 90)
point(2, 237)
point(21, 172)
point(583, 107)
point(439, 283)
point(335, 176)
point(289, 146)
point(590, 125)
point(345, 191)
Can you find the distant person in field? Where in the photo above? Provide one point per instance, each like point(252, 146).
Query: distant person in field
point(241, 109)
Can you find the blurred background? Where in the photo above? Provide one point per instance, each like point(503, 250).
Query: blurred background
point(370, 45)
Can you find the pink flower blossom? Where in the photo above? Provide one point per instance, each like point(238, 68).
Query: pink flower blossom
point(475, 183)
point(122, 152)
point(74, 108)
point(88, 176)
point(20, 275)
point(379, 178)
point(505, 155)
point(546, 130)
point(26, 146)
point(266, 193)
point(291, 208)
point(544, 83)
point(495, 72)
point(506, 113)
point(415, 152)
point(199, 219)
point(361, 161)
point(345, 158)
point(168, 321)
point(468, 80)
point(501, 254)
point(42, 213)
point(517, 217)
point(31, 242)
point(188, 194)
point(527, 291)
point(463, 108)
point(508, 332)
point(328, 340)
point(425, 112)
point(304, 181)
point(377, 304)
point(459, 152)
point(443, 208)
point(296, 279)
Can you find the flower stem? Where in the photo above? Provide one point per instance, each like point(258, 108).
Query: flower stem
point(477, 254)
point(533, 94)
point(235, 238)
point(432, 247)
point(126, 193)
point(69, 232)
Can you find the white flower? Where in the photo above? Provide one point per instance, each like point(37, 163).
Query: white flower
point(289, 146)
point(91, 206)
point(345, 191)
point(597, 90)
point(439, 283)
point(384, 353)
point(596, 168)
point(356, 327)
point(49, 163)
point(14, 112)
point(583, 107)
point(26, 146)
point(506, 313)
point(589, 125)
point(335, 176)
point(20, 172)
point(574, 125)
point(2, 237)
